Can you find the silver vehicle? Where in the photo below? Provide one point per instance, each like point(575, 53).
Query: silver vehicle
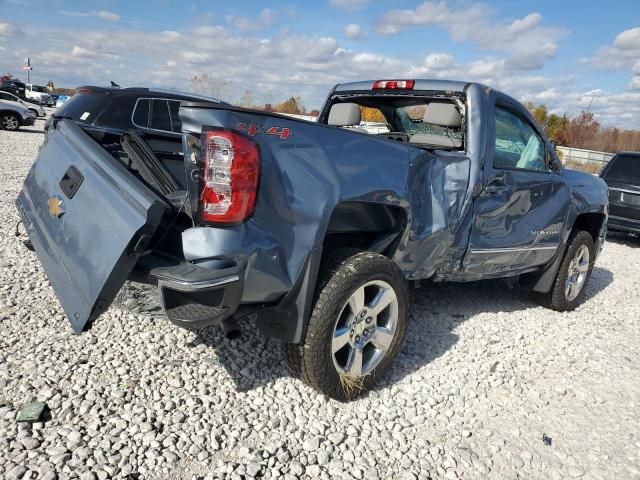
point(11, 98)
point(13, 117)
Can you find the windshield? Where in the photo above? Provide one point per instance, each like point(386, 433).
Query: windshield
point(625, 169)
point(37, 88)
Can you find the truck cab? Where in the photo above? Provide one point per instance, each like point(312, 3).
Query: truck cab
point(40, 93)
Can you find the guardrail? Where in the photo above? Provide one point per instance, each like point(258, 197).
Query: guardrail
point(582, 156)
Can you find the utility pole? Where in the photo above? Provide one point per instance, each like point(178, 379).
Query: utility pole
point(27, 67)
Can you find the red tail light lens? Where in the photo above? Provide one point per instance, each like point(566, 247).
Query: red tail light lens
point(229, 181)
point(394, 85)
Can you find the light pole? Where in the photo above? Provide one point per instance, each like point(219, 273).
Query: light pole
point(27, 67)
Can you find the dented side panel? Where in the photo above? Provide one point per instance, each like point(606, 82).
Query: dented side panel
point(308, 172)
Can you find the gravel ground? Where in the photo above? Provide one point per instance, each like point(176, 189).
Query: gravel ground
point(484, 375)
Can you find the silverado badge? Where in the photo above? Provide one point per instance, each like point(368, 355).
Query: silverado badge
point(55, 207)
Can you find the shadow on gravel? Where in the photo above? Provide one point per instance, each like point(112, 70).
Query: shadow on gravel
point(624, 238)
point(28, 130)
point(252, 360)
point(438, 308)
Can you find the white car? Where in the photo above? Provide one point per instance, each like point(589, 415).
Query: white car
point(37, 92)
point(13, 117)
point(11, 98)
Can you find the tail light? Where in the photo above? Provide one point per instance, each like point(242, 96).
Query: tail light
point(394, 84)
point(229, 181)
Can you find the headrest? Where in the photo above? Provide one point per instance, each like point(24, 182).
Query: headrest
point(344, 115)
point(443, 114)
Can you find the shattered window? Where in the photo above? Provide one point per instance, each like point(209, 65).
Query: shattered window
point(517, 144)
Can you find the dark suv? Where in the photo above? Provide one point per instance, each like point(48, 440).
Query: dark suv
point(14, 86)
point(622, 175)
point(108, 112)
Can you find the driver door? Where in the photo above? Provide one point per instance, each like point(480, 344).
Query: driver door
point(515, 215)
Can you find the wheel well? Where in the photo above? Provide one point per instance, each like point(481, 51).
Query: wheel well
point(368, 226)
point(591, 223)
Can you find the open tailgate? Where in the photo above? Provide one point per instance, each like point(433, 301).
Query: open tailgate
point(88, 219)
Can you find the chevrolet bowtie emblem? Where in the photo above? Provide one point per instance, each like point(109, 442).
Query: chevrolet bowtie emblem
point(55, 207)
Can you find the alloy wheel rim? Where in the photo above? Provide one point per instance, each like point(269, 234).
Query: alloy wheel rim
point(9, 122)
point(577, 273)
point(365, 329)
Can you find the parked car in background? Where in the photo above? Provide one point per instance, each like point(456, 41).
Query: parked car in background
point(622, 175)
point(13, 116)
point(34, 107)
point(61, 100)
point(40, 93)
point(14, 86)
point(317, 229)
point(108, 112)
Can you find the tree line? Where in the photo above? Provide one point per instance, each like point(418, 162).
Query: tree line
point(583, 131)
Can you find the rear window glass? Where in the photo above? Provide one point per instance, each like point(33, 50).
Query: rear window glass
point(624, 168)
point(174, 107)
point(160, 117)
point(141, 113)
point(84, 107)
point(118, 113)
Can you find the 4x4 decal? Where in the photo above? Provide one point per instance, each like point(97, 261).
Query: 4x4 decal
point(252, 130)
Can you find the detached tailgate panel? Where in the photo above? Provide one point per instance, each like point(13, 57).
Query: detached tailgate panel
point(87, 218)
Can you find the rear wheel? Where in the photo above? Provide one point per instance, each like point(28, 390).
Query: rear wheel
point(9, 121)
point(356, 327)
point(574, 272)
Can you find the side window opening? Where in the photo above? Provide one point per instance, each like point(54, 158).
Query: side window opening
point(141, 113)
point(160, 118)
point(517, 145)
point(174, 107)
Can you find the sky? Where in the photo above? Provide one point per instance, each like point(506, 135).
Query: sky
point(569, 55)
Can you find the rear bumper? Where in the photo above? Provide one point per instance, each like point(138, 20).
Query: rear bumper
point(195, 297)
point(624, 224)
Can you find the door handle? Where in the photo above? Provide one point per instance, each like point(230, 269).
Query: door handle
point(496, 184)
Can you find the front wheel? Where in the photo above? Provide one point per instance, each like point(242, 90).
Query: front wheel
point(574, 272)
point(9, 121)
point(357, 325)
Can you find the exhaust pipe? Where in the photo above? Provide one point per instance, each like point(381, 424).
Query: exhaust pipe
point(230, 329)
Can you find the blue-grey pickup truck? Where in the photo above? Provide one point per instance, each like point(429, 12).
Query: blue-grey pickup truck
point(317, 229)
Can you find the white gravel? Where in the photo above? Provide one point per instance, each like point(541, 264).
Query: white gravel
point(484, 374)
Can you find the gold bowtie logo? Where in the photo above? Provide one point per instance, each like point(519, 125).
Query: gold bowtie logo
point(55, 207)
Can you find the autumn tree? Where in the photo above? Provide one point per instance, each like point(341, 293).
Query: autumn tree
point(292, 105)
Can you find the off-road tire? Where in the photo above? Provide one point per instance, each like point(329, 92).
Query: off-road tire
point(556, 298)
point(341, 273)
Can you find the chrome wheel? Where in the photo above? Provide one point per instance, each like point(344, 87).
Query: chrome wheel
point(365, 329)
point(577, 273)
point(9, 122)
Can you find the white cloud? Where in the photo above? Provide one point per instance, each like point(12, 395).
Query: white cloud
point(438, 61)
point(525, 40)
point(349, 4)
point(265, 19)
point(275, 66)
point(8, 29)
point(106, 15)
point(623, 53)
point(353, 31)
point(103, 14)
point(628, 39)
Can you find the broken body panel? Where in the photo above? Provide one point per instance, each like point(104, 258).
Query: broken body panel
point(430, 211)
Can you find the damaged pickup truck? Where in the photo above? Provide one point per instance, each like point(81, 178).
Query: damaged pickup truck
point(316, 229)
